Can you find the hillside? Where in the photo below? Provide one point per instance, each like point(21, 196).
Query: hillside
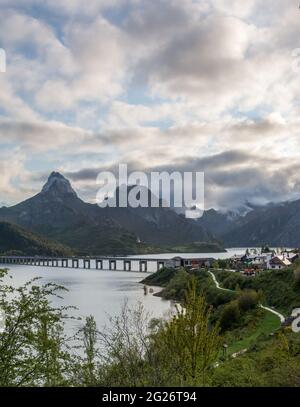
point(278, 287)
point(16, 240)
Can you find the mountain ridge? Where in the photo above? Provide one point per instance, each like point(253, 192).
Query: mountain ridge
point(274, 224)
point(58, 213)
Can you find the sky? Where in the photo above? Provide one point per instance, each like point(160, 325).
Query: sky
point(176, 85)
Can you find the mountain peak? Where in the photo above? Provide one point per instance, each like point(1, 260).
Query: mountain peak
point(58, 185)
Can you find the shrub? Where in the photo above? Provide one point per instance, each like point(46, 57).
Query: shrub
point(248, 299)
point(230, 315)
point(297, 275)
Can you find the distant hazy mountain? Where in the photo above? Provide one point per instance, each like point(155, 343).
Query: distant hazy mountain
point(273, 224)
point(58, 213)
point(13, 236)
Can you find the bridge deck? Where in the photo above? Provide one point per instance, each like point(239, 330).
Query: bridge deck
point(104, 262)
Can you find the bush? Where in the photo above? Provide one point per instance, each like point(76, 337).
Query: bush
point(230, 315)
point(297, 275)
point(248, 299)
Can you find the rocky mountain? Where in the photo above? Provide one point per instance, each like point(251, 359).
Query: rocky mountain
point(158, 225)
point(58, 213)
point(13, 236)
point(273, 224)
point(218, 223)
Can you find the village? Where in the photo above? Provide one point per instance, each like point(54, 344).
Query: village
point(252, 262)
point(256, 260)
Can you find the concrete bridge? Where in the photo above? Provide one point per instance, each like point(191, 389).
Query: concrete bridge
point(99, 263)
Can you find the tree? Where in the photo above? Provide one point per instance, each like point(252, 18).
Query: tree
point(126, 345)
point(189, 340)
point(297, 274)
point(33, 346)
point(86, 368)
point(230, 314)
point(247, 299)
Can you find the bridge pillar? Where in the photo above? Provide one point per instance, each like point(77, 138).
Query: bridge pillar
point(160, 265)
point(99, 264)
point(127, 265)
point(75, 263)
point(143, 265)
point(112, 265)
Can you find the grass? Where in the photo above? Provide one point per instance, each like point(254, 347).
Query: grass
point(264, 327)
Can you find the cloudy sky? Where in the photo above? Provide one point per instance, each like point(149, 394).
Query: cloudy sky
point(189, 85)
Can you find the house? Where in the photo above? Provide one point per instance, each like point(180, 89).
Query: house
point(249, 272)
point(174, 262)
point(194, 263)
point(278, 262)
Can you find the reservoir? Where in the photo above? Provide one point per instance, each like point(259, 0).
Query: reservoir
point(102, 293)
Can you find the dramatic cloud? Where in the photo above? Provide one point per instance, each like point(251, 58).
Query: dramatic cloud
point(199, 85)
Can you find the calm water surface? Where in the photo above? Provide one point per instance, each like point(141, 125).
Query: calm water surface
point(102, 292)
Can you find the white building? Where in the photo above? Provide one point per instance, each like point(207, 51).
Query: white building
point(278, 262)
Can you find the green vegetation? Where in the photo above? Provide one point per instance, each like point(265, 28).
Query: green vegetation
point(241, 321)
point(279, 288)
point(185, 350)
point(34, 351)
point(263, 323)
point(27, 243)
point(272, 362)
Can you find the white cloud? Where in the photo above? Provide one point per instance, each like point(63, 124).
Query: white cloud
point(152, 83)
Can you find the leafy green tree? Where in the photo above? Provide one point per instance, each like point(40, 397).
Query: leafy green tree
point(189, 339)
point(33, 346)
point(230, 315)
point(247, 299)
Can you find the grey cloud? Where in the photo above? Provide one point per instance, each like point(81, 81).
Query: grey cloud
point(232, 177)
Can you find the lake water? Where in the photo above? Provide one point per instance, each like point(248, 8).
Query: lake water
point(101, 292)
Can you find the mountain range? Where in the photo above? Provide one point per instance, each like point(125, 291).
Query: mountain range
point(58, 213)
point(273, 224)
